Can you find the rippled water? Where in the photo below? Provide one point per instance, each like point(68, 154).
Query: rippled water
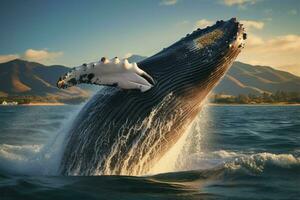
point(232, 152)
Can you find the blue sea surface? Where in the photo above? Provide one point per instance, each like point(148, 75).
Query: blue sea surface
point(232, 152)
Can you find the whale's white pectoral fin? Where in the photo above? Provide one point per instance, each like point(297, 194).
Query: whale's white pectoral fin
point(113, 72)
point(128, 85)
point(116, 60)
point(140, 81)
point(141, 87)
point(148, 78)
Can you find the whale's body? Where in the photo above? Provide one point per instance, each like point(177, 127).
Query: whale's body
point(126, 131)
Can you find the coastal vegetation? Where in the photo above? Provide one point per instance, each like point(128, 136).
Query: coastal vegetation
point(21, 100)
point(264, 98)
point(279, 97)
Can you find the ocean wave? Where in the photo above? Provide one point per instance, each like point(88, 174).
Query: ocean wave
point(257, 163)
point(232, 162)
point(21, 159)
point(234, 171)
point(235, 166)
point(18, 152)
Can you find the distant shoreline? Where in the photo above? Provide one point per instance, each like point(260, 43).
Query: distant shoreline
point(209, 104)
point(37, 104)
point(44, 104)
point(255, 104)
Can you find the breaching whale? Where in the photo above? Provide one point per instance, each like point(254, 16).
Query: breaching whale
point(126, 131)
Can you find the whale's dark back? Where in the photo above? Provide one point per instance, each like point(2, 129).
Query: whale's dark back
point(126, 132)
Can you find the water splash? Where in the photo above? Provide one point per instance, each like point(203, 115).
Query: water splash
point(178, 158)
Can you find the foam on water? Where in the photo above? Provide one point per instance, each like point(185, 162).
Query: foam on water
point(177, 158)
point(36, 159)
point(256, 163)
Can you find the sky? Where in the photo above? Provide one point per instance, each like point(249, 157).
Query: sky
point(72, 32)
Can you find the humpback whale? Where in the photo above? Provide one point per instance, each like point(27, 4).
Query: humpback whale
point(127, 131)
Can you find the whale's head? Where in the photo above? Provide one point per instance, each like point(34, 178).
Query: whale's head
point(191, 67)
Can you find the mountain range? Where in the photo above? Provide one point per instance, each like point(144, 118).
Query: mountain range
point(24, 78)
point(248, 79)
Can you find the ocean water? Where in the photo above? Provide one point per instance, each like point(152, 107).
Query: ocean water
point(230, 152)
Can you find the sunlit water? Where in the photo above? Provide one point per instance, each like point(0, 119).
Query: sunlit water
point(230, 152)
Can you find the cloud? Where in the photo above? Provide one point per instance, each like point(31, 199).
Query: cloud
point(203, 23)
point(33, 55)
point(293, 12)
point(281, 52)
point(242, 4)
point(280, 43)
point(238, 2)
point(248, 24)
point(254, 41)
point(168, 2)
point(251, 24)
point(41, 55)
point(6, 58)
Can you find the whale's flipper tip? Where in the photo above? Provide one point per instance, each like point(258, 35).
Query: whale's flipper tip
point(148, 78)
